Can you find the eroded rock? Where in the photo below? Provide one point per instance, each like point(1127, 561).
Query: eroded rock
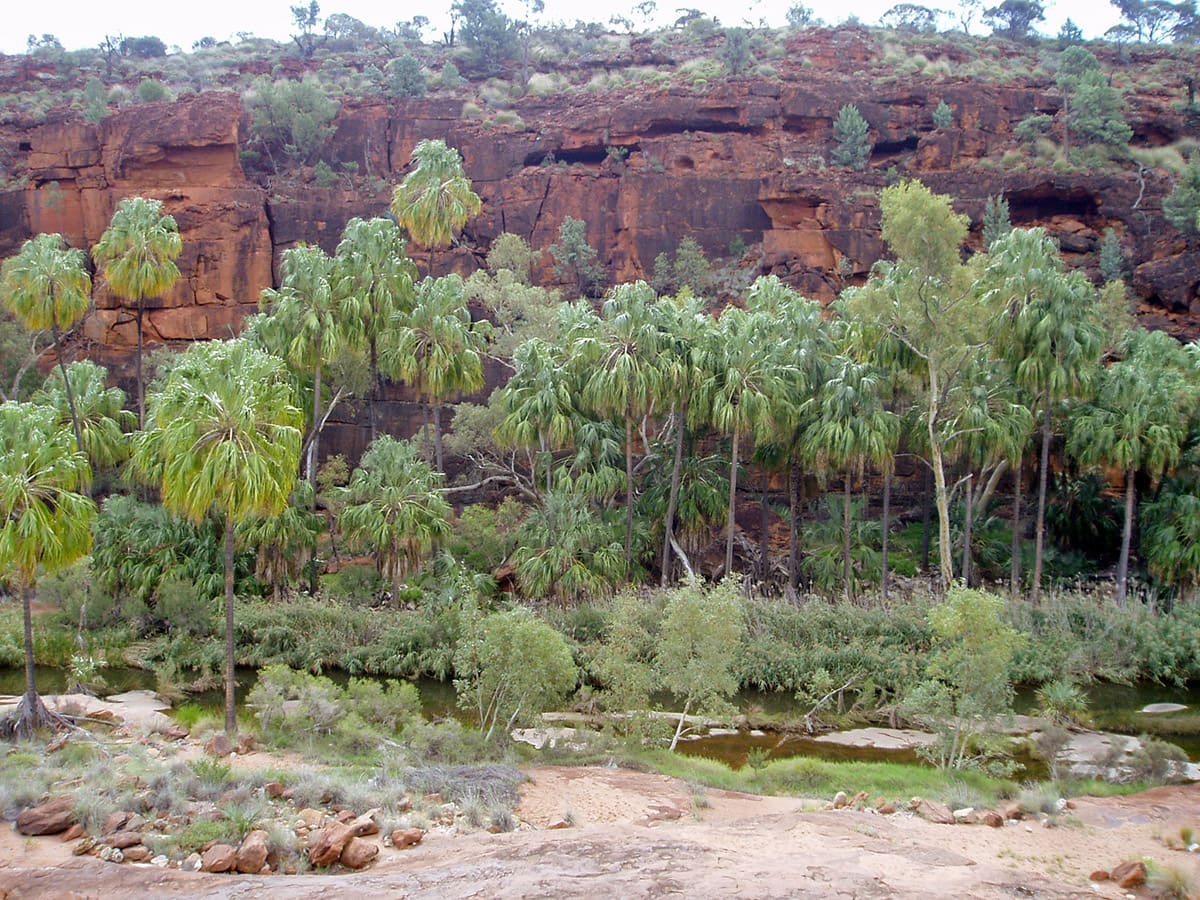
point(52, 817)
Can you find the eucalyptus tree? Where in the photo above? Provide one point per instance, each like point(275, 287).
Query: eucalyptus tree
point(373, 281)
point(393, 504)
point(45, 521)
point(436, 349)
point(848, 428)
point(222, 440)
point(104, 423)
point(746, 378)
point(435, 198)
point(137, 253)
point(1051, 335)
point(621, 349)
point(928, 300)
point(46, 286)
point(1137, 420)
point(306, 327)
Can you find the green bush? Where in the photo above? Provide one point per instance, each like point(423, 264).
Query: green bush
point(151, 90)
point(354, 584)
point(852, 144)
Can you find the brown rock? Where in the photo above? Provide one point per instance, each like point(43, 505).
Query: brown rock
point(137, 854)
point(329, 844)
point(840, 800)
point(1012, 811)
point(993, 819)
point(245, 744)
point(116, 821)
point(273, 789)
point(886, 808)
point(1129, 874)
point(344, 816)
point(859, 798)
point(87, 845)
point(1098, 875)
point(357, 853)
point(556, 824)
point(932, 811)
point(313, 818)
point(52, 817)
point(218, 745)
point(407, 837)
point(365, 824)
point(74, 833)
point(175, 732)
point(123, 839)
point(252, 854)
point(218, 858)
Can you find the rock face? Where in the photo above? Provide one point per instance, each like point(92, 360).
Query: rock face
point(741, 159)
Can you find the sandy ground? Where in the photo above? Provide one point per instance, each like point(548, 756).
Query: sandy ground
point(642, 835)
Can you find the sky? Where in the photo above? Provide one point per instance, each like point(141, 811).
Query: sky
point(84, 23)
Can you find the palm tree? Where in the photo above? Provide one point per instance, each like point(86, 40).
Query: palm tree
point(137, 252)
point(223, 440)
point(1137, 421)
point(624, 378)
point(435, 199)
point(683, 326)
point(437, 349)
point(539, 412)
point(45, 522)
point(392, 503)
point(745, 376)
point(373, 281)
point(306, 325)
point(47, 286)
point(284, 543)
point(103, 420)
point(1051, 335)
point(849, 428)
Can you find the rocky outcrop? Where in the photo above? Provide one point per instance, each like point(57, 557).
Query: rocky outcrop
point(52, 817)
point(738, 161)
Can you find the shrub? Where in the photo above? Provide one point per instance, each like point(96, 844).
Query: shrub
point(150, 90)
point(291, 118)
point(850, 134)
point(405, 77)
point(943, 116)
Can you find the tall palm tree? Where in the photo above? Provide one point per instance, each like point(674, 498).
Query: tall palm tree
point(47, 286)
point(435, 199)
point(137, 253)
point(103, 420)
point(373, 281)
point(1051, 335)
point(45, 522)
point(849, 427)
point(392, 503)
point(683, 326)
point(306, 325)
point(539, 411)
point(1137, 420)
point(745, 377)
point(436, 348)
point(223, 439)
point(284, 543)
point(624, 378)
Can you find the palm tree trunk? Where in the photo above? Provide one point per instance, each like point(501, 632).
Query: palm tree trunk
point(969, 514)
point(628, 493)
point(885, 525)
point(794, 526)
point(230, 699)
point(764, 541)
point(316, 432)
point(438, 448)
point(425, 433)
point(733, 467)
point(31, 694)
point(673, 499)
point(141, 390)
point(62, 368)
point(1014, 571)
point(1126, 537)
point(846, 567)
point(1043, 480)
point(374, 387)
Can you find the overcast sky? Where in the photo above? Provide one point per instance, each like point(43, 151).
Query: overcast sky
point(79, 24)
